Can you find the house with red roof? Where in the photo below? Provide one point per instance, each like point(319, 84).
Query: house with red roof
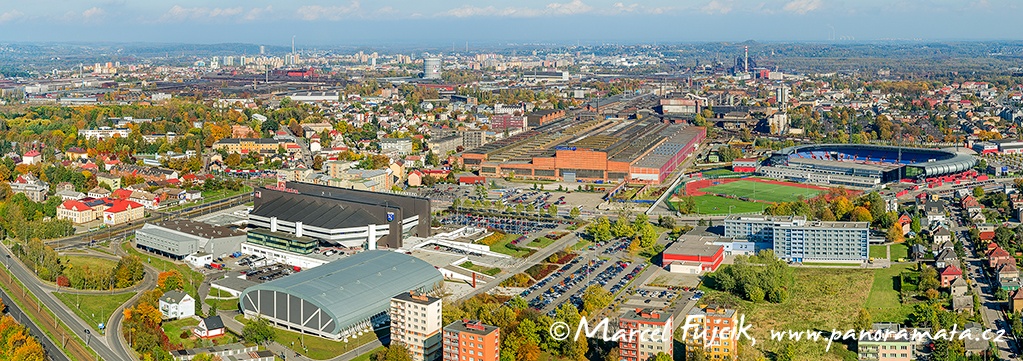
point(949, 274)
point(986, 232)
point(32, 157)
point(123, 211)
point(76, 211)
point(998, 256)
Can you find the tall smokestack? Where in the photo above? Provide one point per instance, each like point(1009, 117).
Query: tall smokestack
point(746, 64)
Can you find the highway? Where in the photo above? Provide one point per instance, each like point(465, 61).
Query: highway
point(53, 352)
point(35, 286)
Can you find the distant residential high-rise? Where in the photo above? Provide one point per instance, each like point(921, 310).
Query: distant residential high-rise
point(432, 68)
point(715, 333)
point(416, 323)
point(262, 50)
point(782, 96)
point(465, 339)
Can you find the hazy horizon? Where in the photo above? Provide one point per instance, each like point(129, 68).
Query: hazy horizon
point(317, 23)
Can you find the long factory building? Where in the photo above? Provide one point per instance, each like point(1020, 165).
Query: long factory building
point(590, 149)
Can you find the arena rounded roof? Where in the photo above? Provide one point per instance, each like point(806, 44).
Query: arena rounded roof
point(356, 287)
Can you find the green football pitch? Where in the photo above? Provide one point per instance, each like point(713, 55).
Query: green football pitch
point(766, 192)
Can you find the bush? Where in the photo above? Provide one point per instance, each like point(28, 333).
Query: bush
point(185, 335)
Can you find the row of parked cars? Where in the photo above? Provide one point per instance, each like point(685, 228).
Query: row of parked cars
point(601, 279)
point(556, 291)
point(550, 278)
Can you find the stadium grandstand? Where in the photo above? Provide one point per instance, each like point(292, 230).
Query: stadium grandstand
point(860, 165)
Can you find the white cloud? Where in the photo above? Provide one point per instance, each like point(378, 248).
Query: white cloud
point(573, 7)
point(11, 16)
point(570, 8)
point(717, 7)
point(317, 12)
point(622, 8)
point(802, 6)
point(92, 13)
point(179, 13)
point(257, 13)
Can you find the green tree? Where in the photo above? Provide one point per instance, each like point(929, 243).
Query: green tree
point(661, 356)
point(600, 230)
point(596, 298)
point(259, 331)
point(574, 212)
point(978, 192)
point(863, 321)
point(394, 352)
point(622, 228)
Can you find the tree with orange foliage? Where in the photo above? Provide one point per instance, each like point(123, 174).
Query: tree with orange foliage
point(170, 280)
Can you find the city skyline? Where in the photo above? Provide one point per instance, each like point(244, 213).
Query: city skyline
point(319, 23)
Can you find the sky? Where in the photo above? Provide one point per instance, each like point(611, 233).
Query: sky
point(438, 22)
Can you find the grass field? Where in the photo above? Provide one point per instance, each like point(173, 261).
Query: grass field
point(94, 309)
point(811, 306)
point(365, 356)
point(503, 247)
point(541, 242)
point(766, 192)
point(319, 348)
point(883, 302)
point(877, 252)
point(94, 263)
point(481, 269)
point(173, 330)
point(223, 305)
point(719, 172)
point(710, 204)
point(900, 250)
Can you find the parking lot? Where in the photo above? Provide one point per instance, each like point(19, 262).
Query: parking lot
point(507, 225)
point(268, 273)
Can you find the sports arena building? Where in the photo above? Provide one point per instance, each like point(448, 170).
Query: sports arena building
point(343, 298)
point(590, 149)
point(861, 165)
point(294, 212)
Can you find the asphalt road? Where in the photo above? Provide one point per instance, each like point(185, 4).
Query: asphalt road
point(53, 352)
point(991, 308)
point(34, 285)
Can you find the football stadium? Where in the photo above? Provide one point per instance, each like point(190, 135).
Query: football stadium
point(860, 165)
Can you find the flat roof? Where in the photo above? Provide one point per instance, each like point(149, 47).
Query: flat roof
point(696, 245)
point(470, 326)
point(646, 315)
point(200, 229)
point(419, 298)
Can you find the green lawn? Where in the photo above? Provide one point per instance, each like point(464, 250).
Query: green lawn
point(541, 242)
point(718, 172)
point(832, 264)
point(582, 244)
point(319, 348)
point(710, 205)
point(223, 305)
point(900, 251)
point(503, 247)
point(763, 191)
point(811, 305)
point(94, 309)
point(365, 356)
point(481, 269)
point(94, 263)
point(173, 330)
point(879, 252)
point(883, 302)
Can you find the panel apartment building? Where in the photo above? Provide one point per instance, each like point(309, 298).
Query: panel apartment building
point(798, 240)
point(416, 323)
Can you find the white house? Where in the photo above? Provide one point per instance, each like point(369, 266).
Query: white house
point(209, 327)
point(177, 305)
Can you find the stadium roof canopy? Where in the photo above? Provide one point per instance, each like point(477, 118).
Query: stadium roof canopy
point(350, 290)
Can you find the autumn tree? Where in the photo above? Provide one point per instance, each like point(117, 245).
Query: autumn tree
point(170, 280)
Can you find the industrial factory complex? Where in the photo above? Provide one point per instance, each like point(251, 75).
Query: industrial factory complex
point(590, 149)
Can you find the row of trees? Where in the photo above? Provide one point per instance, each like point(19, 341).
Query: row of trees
point(49, 266)
point(602, 230)
point(17, 343)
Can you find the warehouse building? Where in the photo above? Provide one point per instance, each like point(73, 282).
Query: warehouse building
point(590, 150)
point(339, 216)
point(694, 254)
point(180, 238)
point(342, 298)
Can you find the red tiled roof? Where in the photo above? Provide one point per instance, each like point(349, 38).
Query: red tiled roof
point(75, 205)
point(123, 205)
point(32, 153)
point(952, 271)
point(122, 193)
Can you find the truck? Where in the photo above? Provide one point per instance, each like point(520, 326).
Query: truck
point(217, 266)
